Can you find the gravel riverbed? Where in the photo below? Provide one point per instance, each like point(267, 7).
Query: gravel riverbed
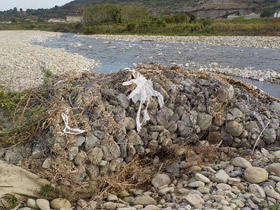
point(22, 64)
point(244, 41)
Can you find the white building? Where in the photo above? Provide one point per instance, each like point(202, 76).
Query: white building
point(74, 19)
point(56, 20)
point(277, 14)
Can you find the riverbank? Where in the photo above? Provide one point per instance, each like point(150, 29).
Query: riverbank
point(237, 41)
point(23, 65)
point(157, 26)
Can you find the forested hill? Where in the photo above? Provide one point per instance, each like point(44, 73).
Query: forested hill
point(200, 8)
point(187, 5)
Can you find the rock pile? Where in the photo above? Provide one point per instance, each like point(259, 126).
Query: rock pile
point(198, 106)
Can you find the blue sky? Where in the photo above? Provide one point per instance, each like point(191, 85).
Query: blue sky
point(30, 4)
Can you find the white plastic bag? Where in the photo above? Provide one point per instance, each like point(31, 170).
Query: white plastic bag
point(67, 129)
point(143, 92)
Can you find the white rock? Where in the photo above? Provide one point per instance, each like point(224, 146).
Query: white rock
point(110, 205)
point(194, 199)
point(43, 204)
point(201, 177)
point(222, 186)
point(59, 203)
point(256, 190)
point(241, 162)
point(160, 180)
point(151, 207)
point(271, 192)
point(31, 203)
point(221, 176)
point(196, 184)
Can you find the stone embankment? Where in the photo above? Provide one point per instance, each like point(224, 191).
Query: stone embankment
point(22, 65)
point(197, 149)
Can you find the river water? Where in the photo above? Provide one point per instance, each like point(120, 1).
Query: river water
point(114, 55)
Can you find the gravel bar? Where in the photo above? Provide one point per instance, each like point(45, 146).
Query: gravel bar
point(22, 64)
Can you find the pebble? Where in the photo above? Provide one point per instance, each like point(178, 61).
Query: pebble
point(256, 190)
point(275, 168)
point(194, 199)
point(255, 175)
point(31, 203)
point(221, 176)
point(202, 178)
point(59, 203)
point(144, 200)
point(160, 180)
point(241, 162)
point(43, 204)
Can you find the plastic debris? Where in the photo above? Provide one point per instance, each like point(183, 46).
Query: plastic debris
point(143, 92)
point(67, 129)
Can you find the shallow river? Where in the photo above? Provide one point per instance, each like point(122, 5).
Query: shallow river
point(114, 55)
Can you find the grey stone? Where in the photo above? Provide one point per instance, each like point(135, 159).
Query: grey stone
point(151, 207)
point(256, 190)
point(166, 190)
point(196, 184)
point(234, 128)
point(73, 151)
point(95, 155)
point(269, 135)
point(253, 127)
point(81, 158)
point(183, 129)
point(221, 176)
point(255, 175)
point(128, 123)
point(134, 138)
point(43, 204)
point(237, 114)
point(164, 115)
point(144, 200)
point(275, 106)
point(173, 168)
point(47, 163)
point(194, 199)
point(204, 121)
point(271, 193)
point(91, 142)
point(111, 150)
point(92, 171)
point(79, 140)
point(223, 186)
point(241, 162)
point(275, 168)
point(123, 100)
point(160, 180)
point(110, 205)
point(172, 127)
